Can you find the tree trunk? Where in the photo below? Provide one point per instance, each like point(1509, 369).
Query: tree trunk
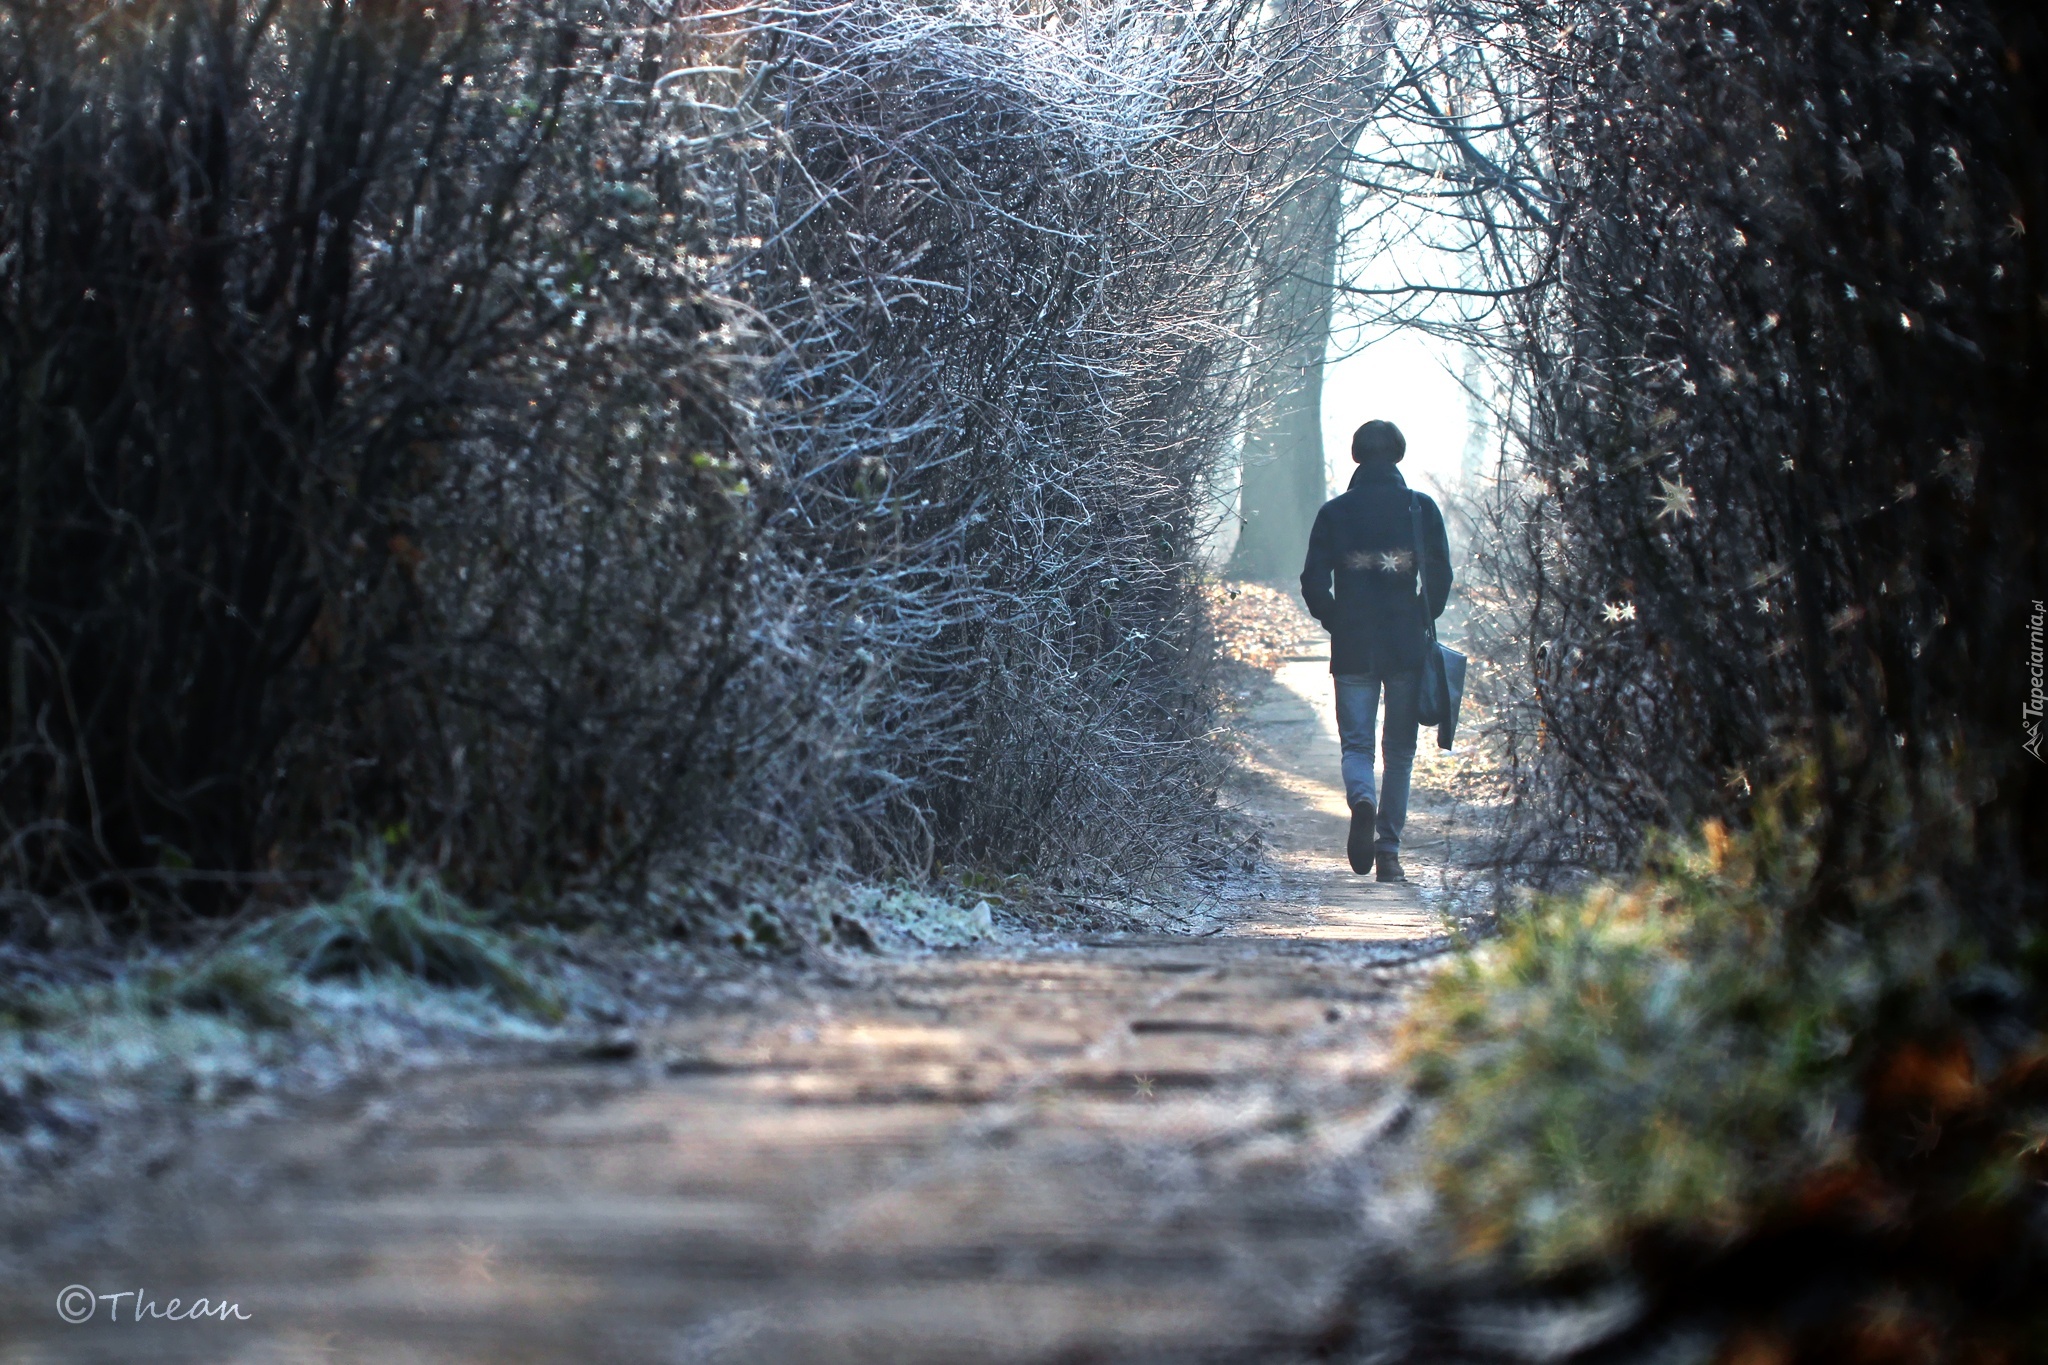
point(1284, 478)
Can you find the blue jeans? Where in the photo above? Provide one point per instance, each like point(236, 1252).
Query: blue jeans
point(1358, 702)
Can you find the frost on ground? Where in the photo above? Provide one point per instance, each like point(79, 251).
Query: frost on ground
point(951, 1122)
point(104, 1059)
point(905, 917)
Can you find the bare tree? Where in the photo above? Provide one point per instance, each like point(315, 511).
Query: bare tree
point(1284, 477)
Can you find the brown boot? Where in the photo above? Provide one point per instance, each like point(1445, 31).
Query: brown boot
point(1359, 845)
point(1389, 869)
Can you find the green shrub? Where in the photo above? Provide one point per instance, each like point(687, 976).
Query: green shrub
point(1651, 1054)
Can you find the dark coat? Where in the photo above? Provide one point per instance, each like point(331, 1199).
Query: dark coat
point(1366, 540)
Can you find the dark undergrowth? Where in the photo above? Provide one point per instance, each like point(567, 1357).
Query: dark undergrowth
point(1762, 1076)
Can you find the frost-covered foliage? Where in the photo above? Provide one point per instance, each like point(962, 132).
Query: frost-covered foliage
point(417, 930)
point(566, 440)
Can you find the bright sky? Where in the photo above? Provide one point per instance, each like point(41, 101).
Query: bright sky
point(1400, 374)
point(1410, 379)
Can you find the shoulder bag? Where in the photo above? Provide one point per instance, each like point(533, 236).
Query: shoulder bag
point(1443, 668)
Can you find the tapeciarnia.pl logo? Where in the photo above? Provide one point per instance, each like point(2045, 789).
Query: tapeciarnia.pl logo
point(2037, 701)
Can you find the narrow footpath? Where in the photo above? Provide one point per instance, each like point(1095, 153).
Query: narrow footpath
point(1117, 1149)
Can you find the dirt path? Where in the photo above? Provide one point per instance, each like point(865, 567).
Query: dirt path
point(1121, 1149)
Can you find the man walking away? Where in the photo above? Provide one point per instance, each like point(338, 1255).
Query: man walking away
point(1378, 630)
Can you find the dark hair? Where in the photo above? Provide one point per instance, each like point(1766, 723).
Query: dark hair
point(1378, 441)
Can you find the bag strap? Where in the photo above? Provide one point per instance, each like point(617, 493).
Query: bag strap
point(1415, 520)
